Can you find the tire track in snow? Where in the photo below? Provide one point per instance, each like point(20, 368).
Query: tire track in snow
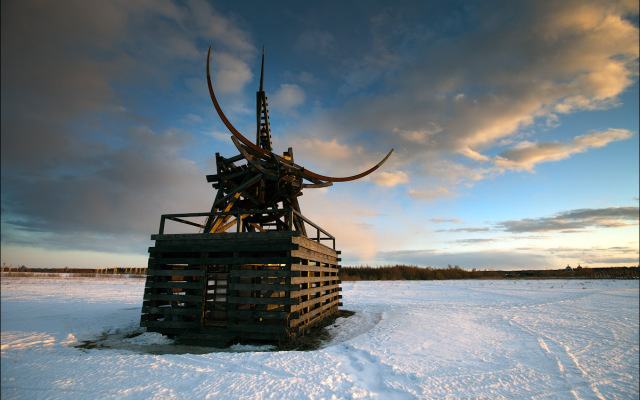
point(577, 378)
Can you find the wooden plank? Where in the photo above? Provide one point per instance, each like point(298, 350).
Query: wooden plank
point(174, 272)
point(266, 273)
point(307, 243)
point(173, 297)
point(309, 291)
point(169, 324)
point(225, 260)
point(174, 292)
point(225, 176)
point(257, 328)
point(313, 301)
point(314, 268)
point(304, 319)
point(174, 285)
point(261, 314)
point(218, 246)
point(313, 279)
point(311, 255)
point(262, 336)
point(276, 287)
point(262, 300)
point(184, 221)
point(254, 236)
point(171, 310)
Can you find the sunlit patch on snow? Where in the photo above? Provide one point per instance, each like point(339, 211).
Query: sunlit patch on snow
point(345, 329)
point(23, 340)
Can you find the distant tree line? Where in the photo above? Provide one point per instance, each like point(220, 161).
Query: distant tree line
point(408, 272)
point(67, 270)
point(404, 272)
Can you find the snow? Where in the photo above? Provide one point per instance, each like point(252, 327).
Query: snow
point(522, 339)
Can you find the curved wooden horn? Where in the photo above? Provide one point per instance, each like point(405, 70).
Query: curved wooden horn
point(254, 147)
point(224, 119)
point(347, 178)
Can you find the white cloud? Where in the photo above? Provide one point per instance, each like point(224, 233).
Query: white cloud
point(446, 220)
point(574, 220)
point(419, 136)
point(525, 155)
point(430, 194)
point(549, 60)
point(287, 97)
point(474, 155)
point(217, 135)
point(231, 73)
point(327, 150)
point(389, 179)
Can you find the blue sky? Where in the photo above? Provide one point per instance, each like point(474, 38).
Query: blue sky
point(514, 124)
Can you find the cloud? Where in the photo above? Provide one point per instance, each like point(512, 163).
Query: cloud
point(345, 218)
point(231, 74)
point(316, 41)
point(474, 155)
point(287, 97)
point(599, 255)
point(123, 195)
point(444, 221)
point(532, 63)
point(223, 30)
point(217, 135)
point(475, 241)
point(193, 118)
point(471, 230)
point(90, 154)
point(429, 194)
point(389, 179)
point(611, 217)
point(329, 150)
point(80, 169)
point(420, 136)
point(525, 155)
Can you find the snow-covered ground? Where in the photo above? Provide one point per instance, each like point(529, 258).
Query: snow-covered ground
point(533, 339)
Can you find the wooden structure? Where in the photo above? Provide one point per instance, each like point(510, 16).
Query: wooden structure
point(256, 269)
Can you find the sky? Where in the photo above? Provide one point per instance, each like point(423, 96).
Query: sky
point(514, 124)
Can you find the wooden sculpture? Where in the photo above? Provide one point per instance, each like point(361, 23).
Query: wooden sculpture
point(252, 272)
point(267, 181)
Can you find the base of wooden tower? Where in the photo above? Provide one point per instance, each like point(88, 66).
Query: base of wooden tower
point(243, 286)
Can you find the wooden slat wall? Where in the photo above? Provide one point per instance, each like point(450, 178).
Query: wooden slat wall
point(276, 285)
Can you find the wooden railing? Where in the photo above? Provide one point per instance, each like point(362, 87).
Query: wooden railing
point(320, 234)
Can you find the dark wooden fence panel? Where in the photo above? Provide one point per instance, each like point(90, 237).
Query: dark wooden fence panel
point(239, 286)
